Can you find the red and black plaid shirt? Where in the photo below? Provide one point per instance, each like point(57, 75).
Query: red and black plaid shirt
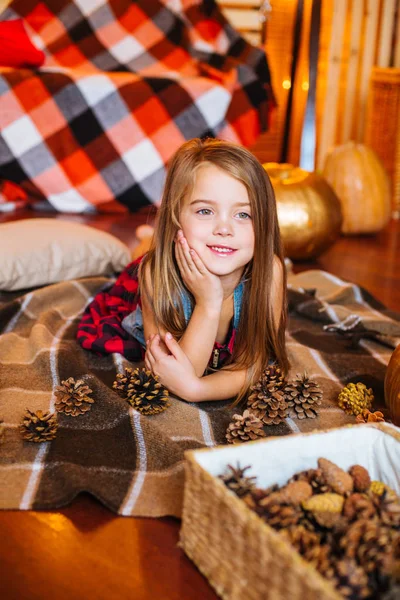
point(101, 331)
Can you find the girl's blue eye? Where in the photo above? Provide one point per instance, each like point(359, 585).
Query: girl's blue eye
point(246, 215)
point(204, 211)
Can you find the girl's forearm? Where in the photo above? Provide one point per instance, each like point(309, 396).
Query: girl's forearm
point(221, 385)
point(198, 340)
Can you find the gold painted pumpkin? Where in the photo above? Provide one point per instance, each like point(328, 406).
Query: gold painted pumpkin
point(309, 213)
point(392, 386)
point(362, 186)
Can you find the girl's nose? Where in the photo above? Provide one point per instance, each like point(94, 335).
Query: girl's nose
point(223, 228)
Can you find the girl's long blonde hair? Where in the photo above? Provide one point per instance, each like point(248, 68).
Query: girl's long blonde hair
point(257, 339)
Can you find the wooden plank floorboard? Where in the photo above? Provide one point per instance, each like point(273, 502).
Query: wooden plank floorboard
point(85, 552)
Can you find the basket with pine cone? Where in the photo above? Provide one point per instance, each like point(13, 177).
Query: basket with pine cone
point(244, 428)
point(39, 426)
point(303, 396)
point(73, 397)
point(142, 390)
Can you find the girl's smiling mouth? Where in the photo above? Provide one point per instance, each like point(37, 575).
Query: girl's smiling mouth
point(222, 250)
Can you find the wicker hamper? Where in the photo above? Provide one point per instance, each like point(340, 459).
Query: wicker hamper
point(382, 129)
point(241, 556)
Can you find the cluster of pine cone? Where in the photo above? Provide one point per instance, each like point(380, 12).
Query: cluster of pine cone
point(73, 398)
point(346, 526)
point(271, 400)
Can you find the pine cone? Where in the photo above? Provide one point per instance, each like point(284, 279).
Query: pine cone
point(273, 377)
point(303, 396)
point(235, 480)
point(355, 397)
point(39, 426)
point(269, 407)
point(244, 428)
point(359, 506)
point(366, 416)
point(328, 502)
point(142, 391)
point(125, 382)
point(315, 478)
point(379, 488)
point(350, 579)
point(389, 509)
point(73, 397)
point(278, 515)
point(295, 492)
point(303, 540)
point(368, 542)
point(340, 481)
point(361, 478)
point(393, 593)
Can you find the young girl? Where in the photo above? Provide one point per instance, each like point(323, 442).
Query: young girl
point(206, 306)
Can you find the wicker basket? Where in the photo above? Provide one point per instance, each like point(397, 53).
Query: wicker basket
point(382, 132)
point(241, 556)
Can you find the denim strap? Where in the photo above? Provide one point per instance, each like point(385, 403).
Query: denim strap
point(237, 305)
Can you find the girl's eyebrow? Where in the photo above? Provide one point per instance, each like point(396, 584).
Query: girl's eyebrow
point(212, 202)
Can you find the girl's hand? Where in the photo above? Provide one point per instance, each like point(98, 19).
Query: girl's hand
point(174, 369)
point(205, 287)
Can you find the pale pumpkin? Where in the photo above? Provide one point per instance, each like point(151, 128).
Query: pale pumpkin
point(362, 185)
point(392, 387)
point(309, 213)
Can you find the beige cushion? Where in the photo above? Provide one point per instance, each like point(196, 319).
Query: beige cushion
point(36, 252)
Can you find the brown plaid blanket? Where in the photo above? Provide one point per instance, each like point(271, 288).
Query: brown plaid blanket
point(132, 463)
point(124, 84)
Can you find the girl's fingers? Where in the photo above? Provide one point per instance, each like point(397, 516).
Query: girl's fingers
point(179, 259)
point(147, 363)
point(200, 266)
point(173, 346)
point(186, 254)
point(156, 351)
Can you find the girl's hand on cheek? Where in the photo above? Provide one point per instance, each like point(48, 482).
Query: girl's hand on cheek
point(166, 359)
point(204, 285)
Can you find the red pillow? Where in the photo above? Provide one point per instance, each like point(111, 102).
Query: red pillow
point(16, 49)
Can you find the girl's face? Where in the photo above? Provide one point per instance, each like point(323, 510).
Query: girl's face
point(217, 222)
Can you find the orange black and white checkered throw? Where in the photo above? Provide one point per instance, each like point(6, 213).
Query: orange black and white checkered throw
point(124, 84)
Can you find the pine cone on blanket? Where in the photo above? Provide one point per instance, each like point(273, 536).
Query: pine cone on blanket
point(73, 397)
point(244, 428)
point(272, 378)
point(39, 426)
point(236, 480)
point(355, 397)
point(366, 416)
point(269, 406)
point(303, 396)
point(143, 391)
point(125, 382)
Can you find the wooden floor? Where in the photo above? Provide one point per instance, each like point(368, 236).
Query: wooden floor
point(84, 551)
